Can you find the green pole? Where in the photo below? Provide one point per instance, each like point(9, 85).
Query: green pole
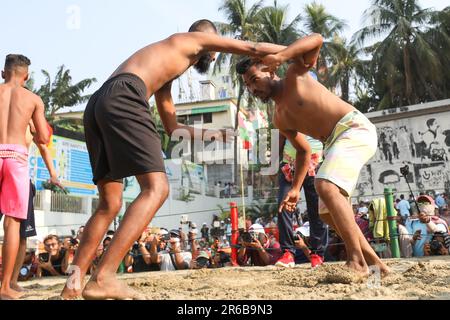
point(391, 217)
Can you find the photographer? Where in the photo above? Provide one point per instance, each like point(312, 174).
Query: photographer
point(139, 256)
point(172, 258)
point(438, 246)
point(257, 249)
point(54, 262)
point(425, 226)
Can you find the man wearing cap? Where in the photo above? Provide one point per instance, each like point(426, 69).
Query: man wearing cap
point(261, 251)
point(172, 258)
point(426, 226)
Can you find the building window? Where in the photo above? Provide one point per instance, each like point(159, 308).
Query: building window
point(207, 117)
point(182, 119)
point(194, 118)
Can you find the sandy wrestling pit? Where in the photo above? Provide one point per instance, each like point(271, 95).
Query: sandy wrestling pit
point(427, 278)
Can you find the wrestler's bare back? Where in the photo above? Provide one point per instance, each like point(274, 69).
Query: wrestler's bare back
point(307, 106)
point(17, 107)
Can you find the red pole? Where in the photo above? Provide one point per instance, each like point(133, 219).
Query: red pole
point(234, 231)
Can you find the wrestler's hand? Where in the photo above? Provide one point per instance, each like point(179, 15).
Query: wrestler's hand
point(55, 181)
point(272, 63)
point(424, 218)
point(290, 201)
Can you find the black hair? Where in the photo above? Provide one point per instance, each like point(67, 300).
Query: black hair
point(244, 64)
point(16, 60)
point(402, 196)
point(430, 122)
point(202, 25)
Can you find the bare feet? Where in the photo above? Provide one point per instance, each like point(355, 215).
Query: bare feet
point(70, 294)
point(17, 288)
point(360, 268)
point(109, 289)
point(10, 294)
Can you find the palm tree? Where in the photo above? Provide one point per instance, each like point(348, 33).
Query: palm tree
point(242, 24)
point(345, 64)
point(404, 52)
point(61, 93)
point(318, 20)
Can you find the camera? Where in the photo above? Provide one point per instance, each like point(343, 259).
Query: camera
point(404, 170)
point(435, 247)
point(248, 237)
point(73, 241)
point(166, 237)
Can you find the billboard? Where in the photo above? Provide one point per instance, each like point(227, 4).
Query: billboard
point(71, 162)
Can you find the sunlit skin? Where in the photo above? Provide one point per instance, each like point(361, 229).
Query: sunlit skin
point(18, 106)
point(303, 105)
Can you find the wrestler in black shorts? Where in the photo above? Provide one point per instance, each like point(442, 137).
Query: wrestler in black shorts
point(121, 136)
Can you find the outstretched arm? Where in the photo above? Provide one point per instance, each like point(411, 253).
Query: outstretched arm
point(167, 112)
point(304, 52)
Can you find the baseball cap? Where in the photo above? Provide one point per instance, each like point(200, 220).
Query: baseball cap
point(203, 254)
point(304, 229)
point(256, 228)
point(175, 233)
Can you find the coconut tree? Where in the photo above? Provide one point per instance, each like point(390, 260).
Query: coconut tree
point(404, 51)
point(318, 20)
point(344, 65)
point(241, 23)
point(61, 93)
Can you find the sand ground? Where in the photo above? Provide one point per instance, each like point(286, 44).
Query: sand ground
point(426, 278)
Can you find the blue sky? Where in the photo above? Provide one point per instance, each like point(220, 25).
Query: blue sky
point(108, 31)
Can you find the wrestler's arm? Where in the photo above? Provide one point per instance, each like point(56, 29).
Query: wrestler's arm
point(304, 52)
point(46, 156)
point(302, 159)
point(167, 112)
point(210, 42)
point(42, 134)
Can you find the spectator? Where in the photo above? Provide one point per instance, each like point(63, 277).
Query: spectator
point(302, 245)
point(336, 248)
point(441, 202)
point(54, 262)
point(183, 239)
point(79, 233)
point(425, 226)
point(404, 208)
point(228, 230)
point(29, 267)
point(172, 258)
point(438, 246)
point(221, 259)
point(205, 232)
point(362, 220)
point(261, 251)
point(412, 205)
point(406, 240)
point(202, 261)
point(139, 257)
point(445, 215)
point(100, 251)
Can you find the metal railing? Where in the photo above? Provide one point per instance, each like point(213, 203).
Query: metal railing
point(66, 203)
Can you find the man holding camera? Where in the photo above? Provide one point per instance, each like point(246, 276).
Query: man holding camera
point(257, 249)
point(54, 262)
point(172, 258)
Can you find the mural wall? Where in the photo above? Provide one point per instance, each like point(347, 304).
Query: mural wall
point(422, 143)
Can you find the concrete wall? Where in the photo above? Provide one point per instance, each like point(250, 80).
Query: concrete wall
point(405, 138)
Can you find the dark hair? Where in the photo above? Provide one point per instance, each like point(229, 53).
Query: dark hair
point(244, 64)
point(430, 122)
point(50, 237)
point(110, 233)
point(202, 25)
point(16, 60)
point(402, 196)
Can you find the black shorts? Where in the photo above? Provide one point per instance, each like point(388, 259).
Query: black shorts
point(27, 226)
point(121, 136)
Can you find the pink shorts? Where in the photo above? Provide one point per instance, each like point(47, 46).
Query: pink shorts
point(14, 180)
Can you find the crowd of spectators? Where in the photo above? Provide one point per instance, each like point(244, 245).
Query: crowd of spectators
point(422, 230)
